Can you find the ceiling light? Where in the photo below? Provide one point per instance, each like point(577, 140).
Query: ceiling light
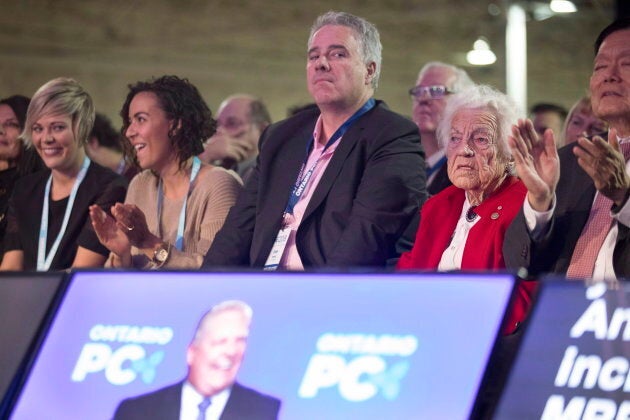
point(562, 6)
point(481, 54)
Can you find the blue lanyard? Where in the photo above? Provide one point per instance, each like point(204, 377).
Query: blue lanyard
point(179, 241)
point(435, 167)
point(304, 178)
point(43, 260)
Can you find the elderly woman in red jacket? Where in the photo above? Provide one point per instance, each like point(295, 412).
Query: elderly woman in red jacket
point(462, 227)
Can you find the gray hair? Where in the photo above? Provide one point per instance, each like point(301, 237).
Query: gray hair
point(61, 96)
point(488, 98)
point(366, 35)
point(227, 305)
point(462, 80)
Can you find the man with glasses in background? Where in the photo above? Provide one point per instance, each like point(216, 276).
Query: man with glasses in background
point(240, 121)
point(436, 81)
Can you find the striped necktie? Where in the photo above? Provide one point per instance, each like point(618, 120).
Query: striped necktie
point(594, 233)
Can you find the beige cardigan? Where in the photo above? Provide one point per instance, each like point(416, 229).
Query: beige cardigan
point(213, 194)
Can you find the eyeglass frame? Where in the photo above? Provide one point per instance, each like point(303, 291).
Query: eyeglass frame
point(418, 92)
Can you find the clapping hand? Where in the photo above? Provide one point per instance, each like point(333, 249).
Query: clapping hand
point(537, 163)
point(605, 164)
point(108, 232)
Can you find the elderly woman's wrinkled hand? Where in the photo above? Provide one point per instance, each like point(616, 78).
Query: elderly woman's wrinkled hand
point(537, 163)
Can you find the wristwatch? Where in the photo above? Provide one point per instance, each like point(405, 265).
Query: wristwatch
point(161, 253)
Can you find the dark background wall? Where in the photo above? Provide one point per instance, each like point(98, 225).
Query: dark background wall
point(258, 46)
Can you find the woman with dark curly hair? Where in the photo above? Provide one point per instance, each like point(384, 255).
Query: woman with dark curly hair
point(177, 204)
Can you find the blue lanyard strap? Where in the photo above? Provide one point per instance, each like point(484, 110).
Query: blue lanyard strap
point(435, 167)
point(304, 177)
point(43, 260)
point(179, 241)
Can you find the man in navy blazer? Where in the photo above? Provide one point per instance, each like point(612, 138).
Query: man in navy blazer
point(210, 390)
point(334, 186)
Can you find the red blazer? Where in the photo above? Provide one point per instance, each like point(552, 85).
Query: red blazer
point(483, 249)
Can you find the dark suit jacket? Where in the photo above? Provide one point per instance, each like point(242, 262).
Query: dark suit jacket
point(440, 181)
point(165, 404)
point(372, 186)
point(574, 198)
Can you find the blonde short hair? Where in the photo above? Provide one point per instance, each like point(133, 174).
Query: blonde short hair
point(61, 96)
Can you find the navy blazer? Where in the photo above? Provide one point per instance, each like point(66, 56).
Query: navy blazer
point(574, 197)
point(165, 404)
point(373, 185)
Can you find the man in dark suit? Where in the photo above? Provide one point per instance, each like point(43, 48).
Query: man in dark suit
point(334, 186)
point(436, 82)
point(209, 392)
point(576, 218)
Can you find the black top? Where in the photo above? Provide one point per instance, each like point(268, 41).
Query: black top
point(100, 186)
point(29, 162)
point(7, 181)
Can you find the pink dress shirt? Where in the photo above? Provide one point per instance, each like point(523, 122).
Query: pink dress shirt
point(291, 258)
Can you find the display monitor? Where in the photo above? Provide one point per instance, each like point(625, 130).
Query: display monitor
point(327, 346)
point(573, 360)
point(25, 299)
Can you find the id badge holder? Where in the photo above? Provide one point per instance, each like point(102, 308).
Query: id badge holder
point(273, 260)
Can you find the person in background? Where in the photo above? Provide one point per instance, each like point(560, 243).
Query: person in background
point(240, 121)
point(105, 147)
point(48, 226)
point(581, 122)
point(435, 85)
point(176, 205)
point(210, 390)
point(576, 218)
point(334, 186)
point(545, 115)
point(15, 159)
point(462, 227)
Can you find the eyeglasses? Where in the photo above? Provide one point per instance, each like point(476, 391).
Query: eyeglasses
point(434, 92)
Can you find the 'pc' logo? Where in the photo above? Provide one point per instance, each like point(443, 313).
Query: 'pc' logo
point(356, 364)
point(126, 363)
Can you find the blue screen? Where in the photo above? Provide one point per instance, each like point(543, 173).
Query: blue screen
point(573, 361)
point(327, 345)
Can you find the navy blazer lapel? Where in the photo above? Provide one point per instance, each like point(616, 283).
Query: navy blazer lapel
point(278, 184)
point(293, 154)
point(346, 144)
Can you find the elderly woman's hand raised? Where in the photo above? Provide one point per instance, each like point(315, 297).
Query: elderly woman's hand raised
point(536, 162)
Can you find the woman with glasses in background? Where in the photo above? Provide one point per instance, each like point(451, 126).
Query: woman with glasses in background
point(15, 159)
point(463, 227)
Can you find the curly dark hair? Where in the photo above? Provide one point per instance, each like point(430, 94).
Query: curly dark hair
point(182, 102)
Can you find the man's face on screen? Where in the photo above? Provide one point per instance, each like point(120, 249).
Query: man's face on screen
point(215, 357)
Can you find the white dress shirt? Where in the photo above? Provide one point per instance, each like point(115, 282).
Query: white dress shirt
point(454, 252)
point(538, 225)
point(189, 409)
